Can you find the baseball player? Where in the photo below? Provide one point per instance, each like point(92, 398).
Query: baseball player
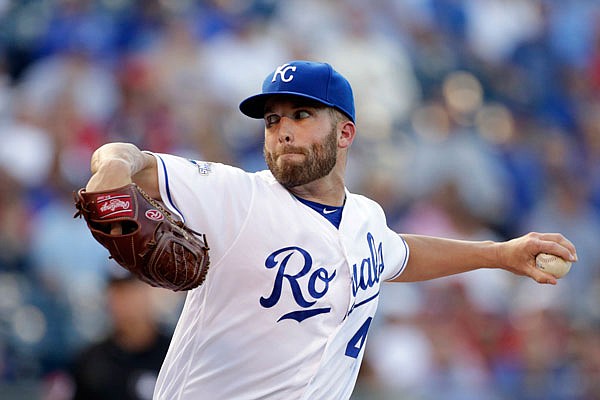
point(297, 260)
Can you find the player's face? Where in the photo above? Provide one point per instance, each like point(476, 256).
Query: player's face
point(300, 141)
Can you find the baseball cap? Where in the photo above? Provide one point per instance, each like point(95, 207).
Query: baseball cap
point(308, 79)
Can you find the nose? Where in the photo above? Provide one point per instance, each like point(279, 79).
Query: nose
point(286, 130)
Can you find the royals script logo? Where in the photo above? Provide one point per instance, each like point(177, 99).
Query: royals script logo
point(296, 276)
point(367, 274)
point(315, 282)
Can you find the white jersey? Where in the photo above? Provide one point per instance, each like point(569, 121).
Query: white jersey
point(288, 300)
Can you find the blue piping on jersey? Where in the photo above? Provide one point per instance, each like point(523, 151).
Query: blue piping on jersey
point(168, 190)
point(406, 252)
point(363, 302)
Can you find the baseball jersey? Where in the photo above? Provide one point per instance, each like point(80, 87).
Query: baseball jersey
point(288, 300)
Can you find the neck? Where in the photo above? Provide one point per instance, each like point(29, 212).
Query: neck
point(329, 190)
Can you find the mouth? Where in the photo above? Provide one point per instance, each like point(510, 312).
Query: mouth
point(290, 156)
point(291, 153)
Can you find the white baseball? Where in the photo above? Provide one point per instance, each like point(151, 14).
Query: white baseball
point(552, 264)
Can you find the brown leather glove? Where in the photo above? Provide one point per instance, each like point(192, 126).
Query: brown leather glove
point(155, 247)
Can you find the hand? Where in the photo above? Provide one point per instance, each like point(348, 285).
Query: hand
point(111, 174)
point(518, 255)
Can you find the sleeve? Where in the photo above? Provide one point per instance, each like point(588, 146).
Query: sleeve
point(395, 248)
point(398, 253)
point(211, 198)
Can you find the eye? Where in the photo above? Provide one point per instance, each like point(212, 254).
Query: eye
point(271, 119)
point(301, 114)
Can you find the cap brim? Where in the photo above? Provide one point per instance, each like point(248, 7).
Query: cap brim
point(254, 106)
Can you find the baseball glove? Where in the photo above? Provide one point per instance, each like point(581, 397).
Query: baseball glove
point(152, 245)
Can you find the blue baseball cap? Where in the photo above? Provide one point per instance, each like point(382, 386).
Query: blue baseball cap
point(312, 80)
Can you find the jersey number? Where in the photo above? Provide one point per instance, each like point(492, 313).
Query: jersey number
point(358, 340)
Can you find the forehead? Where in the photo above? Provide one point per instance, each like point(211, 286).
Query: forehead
point(292, 102)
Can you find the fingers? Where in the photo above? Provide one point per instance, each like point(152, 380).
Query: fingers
point(551, 243)
point(523, 250)
point(116, 228)
point(542, 277)
point(557, 244)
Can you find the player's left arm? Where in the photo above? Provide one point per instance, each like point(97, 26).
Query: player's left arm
point(433, 257)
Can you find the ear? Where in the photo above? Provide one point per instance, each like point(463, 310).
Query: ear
point(347, 134)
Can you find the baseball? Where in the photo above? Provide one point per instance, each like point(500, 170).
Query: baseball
point(552, 264)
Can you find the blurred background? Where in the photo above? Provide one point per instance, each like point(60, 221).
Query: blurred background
point(477, 119)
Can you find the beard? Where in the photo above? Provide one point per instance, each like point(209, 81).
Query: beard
point(319, 160)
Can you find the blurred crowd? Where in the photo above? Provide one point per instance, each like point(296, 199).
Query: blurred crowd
point(477, 119)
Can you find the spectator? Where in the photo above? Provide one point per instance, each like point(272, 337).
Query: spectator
point(125, 365)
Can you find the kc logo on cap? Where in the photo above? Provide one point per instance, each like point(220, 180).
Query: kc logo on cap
point(282, 70)
point(308, 79)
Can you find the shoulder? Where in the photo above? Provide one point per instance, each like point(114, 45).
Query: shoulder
point(266, 177)
point(170, 164)
point(364, 203)
point(261, 179)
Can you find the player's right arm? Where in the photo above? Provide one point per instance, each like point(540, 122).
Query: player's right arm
point(117, 164)
point(435, 257)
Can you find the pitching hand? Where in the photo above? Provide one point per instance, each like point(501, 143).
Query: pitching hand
point(518, 255)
